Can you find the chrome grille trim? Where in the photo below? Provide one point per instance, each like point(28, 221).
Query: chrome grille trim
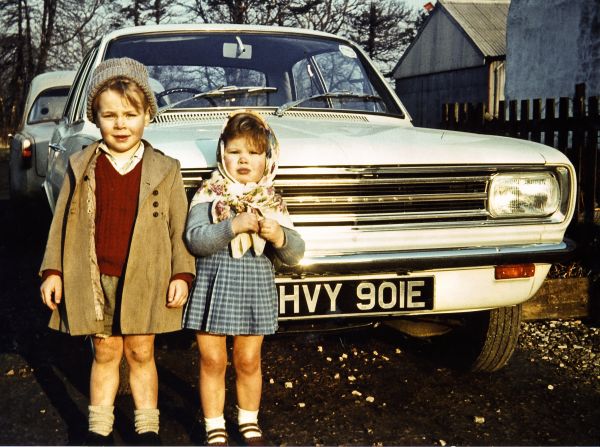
point(368, 196)
point(193, 116)
point(372, 218)
point(306, 201)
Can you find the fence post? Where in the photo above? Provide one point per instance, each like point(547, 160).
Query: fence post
point(577, 148)
point(535, 120)
point(445, 116)
point(563, 124)
point(524, 121)
point(549, 123)
point(454, 116)
point(500, 123)
point(479, 116)
point(513, 121)
point(591, 159)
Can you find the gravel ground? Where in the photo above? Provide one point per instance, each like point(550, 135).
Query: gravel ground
point(571, 345)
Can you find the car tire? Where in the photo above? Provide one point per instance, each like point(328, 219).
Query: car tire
point(486, 340)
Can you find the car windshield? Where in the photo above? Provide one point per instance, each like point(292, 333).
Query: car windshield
point(256, 70)
point(48, 106)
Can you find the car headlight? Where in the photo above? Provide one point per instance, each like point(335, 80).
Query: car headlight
point(532, 194)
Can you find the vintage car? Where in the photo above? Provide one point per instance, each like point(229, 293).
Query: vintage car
point(29, 145)
point(436, 232)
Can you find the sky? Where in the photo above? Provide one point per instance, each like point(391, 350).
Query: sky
point(418, 4)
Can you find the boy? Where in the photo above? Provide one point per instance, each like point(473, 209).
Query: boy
point(115, 265)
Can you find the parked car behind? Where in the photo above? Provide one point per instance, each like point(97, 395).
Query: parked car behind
point(29, 145)
point(440, 233)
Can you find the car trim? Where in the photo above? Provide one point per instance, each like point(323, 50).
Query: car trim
point(409, 261)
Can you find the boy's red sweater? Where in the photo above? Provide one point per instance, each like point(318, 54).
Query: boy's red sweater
point(116, 208)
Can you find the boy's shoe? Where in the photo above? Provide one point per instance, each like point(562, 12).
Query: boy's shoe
point(93, 438)
point(148, 438)
point(254, 440)
point(215, 437)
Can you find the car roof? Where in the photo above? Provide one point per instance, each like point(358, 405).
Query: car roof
point(228, 27)
point(50, 79)
point(45, 81)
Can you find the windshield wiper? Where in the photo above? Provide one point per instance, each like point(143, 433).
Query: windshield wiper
point(337, 94)
point(223, 90)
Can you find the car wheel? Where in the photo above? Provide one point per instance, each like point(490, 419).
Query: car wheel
point(485, 340)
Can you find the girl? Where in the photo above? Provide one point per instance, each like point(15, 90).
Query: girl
point(236, 224)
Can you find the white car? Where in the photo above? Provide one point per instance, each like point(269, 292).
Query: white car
point(29, 145)
point(436, 232)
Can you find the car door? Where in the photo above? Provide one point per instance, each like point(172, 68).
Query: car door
point(73, 132)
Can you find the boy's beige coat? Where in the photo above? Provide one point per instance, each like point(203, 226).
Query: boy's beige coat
point(157, 249)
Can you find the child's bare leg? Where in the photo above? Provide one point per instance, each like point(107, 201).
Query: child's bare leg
point(247, 363)
point(143, 377)
point(104, 382)
point(213, 364)
point(104, 378)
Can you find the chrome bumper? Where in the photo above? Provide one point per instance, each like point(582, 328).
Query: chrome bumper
point(405, 262)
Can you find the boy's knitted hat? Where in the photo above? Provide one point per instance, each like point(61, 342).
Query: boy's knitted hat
point(123, 67)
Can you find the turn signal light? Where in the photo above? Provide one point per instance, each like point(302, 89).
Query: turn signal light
point(514, 271)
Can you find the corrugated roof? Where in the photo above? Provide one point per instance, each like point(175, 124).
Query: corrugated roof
point(484, 21)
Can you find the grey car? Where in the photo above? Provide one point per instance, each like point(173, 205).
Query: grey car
point(29, 145)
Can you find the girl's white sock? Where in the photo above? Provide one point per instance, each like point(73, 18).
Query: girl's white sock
point(248, 417)
point(214, 424)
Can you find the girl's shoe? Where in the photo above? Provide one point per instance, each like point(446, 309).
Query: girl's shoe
point(215, 437)
point(254, 440)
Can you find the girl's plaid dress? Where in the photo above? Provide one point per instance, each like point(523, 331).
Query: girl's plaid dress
point(233, 296)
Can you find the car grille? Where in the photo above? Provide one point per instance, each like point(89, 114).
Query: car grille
point(369, 196)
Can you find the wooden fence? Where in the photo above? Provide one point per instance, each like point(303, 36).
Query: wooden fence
point(571, 125)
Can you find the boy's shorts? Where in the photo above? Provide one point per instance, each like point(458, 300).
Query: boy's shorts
point(112, 286)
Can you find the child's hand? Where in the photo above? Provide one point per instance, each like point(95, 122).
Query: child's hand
point(51, 290)
point(177, 294)
point(272, 231)
point(245, 223)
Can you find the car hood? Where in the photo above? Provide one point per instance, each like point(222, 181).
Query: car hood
point(359, 140)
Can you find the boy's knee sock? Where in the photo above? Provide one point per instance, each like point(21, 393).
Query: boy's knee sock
point(146, 420)
point(101, 419)
point(214, 424)
point(248, 417)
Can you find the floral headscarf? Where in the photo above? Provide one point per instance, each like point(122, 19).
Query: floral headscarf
point(227, 194)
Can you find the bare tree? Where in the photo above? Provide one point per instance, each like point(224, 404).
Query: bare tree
point(36, 35)
point(22, 58)
point(332, 16)
point(235, 11)
point(383, 29)
point(79, 26)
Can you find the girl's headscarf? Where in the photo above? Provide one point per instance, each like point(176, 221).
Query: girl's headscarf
point(227, 194)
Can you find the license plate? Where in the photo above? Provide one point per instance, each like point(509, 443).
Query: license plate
point(335, 297)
